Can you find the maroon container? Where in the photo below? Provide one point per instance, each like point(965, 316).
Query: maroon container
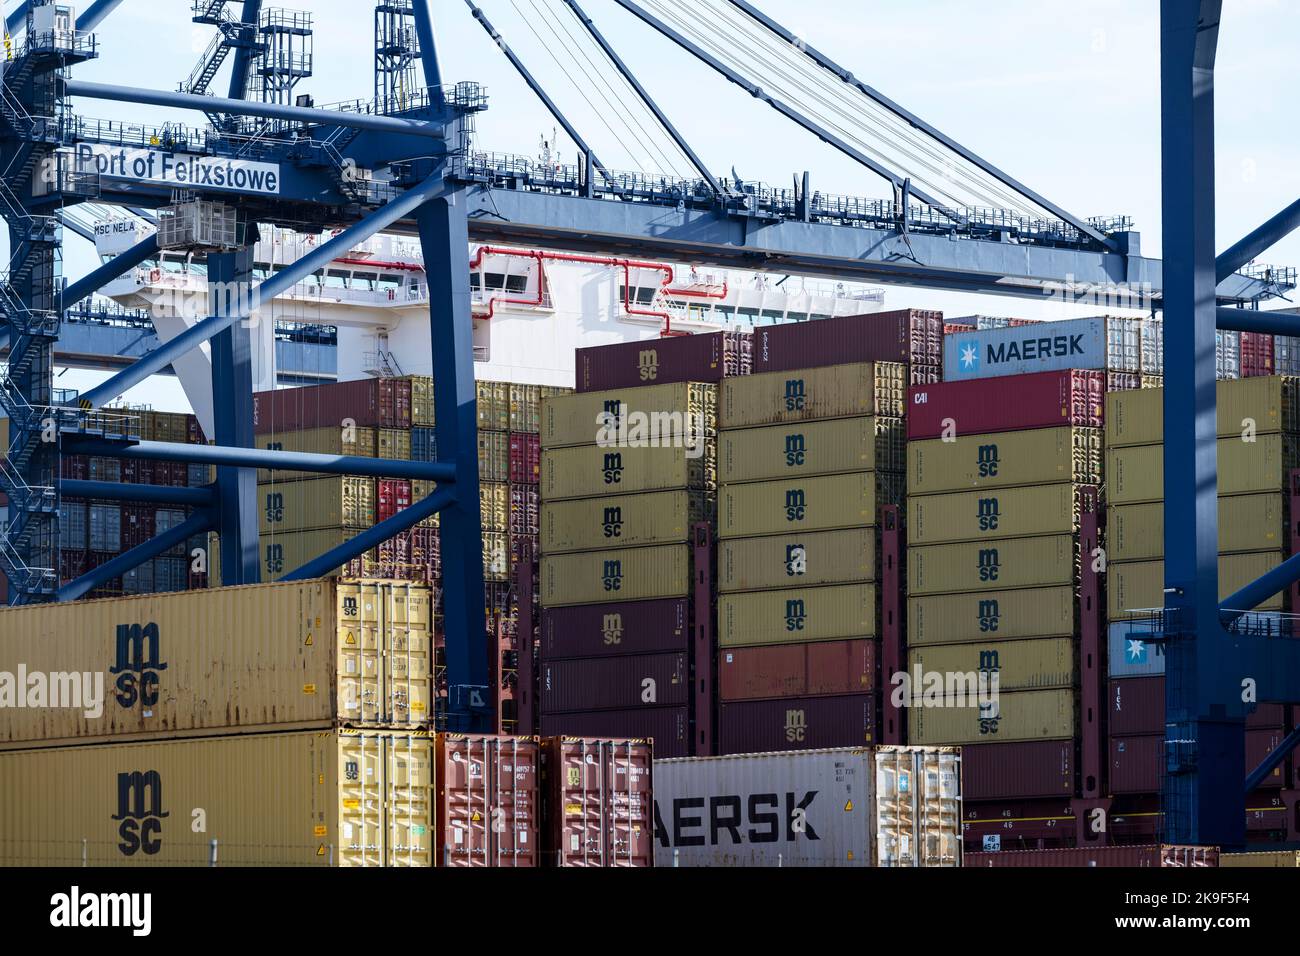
point(957, 328)
point(1007, 404)
point(633, 627)
point(797, 670)
point(614, 683)
point(525, 508)
point(1136, 705)
point(914, 336)
point(1259, 744)
point(138, 524)
point(76, 467)
point(1123, 381)
point(683, 358)
point(1135, 763)
point(369, 403)
point(392, 495)
point(1019, 770)
point(1016, 824)
point(597, 802)
point(797, 723)
point(1256, 354)
point(525, 458)
point(1265, 812)
point(668, 727)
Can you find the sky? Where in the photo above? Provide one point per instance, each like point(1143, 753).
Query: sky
point(1062, 94)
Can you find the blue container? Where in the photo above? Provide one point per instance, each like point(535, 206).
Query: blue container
point(1130, 655)
point(1045, 347)
point(423, 445)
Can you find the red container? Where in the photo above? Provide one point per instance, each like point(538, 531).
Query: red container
point(1019, 770)
point(710, 357)
point(797, 723)
point(525, 458)
point(525, 510)
point(1123, 381)
point(1007, 404)
point(1015, 825)
point(138, 524)
point(635, 627)
point(369, 403)
point(614, 683)
point(598, 802)
point(1256, 354)
point(76, 467)
point(668, 727)
point(488, 805)
point(956, 328)
point(1136, 705)
point(914, 336)
point(1136, 761)
point(392, 495)
point(137, 471)
point(797, 670)
point(1259, 744)
point(1148, 857)
point(920, 374)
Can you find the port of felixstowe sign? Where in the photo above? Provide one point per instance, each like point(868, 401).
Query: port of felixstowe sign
point(186, 170)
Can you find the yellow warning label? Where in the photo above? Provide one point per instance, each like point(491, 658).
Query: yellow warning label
point(417, 706)
point(310, 641)
point(321, 831)
point(350, 640)
point(850, 854)
point(320, 779)
point(351, 804)
point(309, 688)
point(320, 850)
point(848, 807)
point(475, 817)
point(572, 809)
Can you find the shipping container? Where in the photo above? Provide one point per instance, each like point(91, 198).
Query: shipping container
point(1136, 532)
point(772, 398)
point(836, 612)
point(105, 527)
point(393, 444)
point(990, 566)
point(1135, 705)
point(914, 336)
point(493, 405)
point(284, 552)
point(1286, 355)
point(1021, 715)
point(525, 458)
point(807, 560)
point(370, 403)
point(668, 727)
point(982, 406)
point(1037, 456)
point(1019, 770)
point(992, 514)
point(706, 357)
point(1256, 354)
point(614, 683)
point(322, 798)
point(1270, 859)
point(598, 800)
point(496, 556)
point(424, 444)
point(488, 804)
point(1227, 354)
point(1137, 473)
point(727, 811)
point(797, 723)
point(1129, 654)
point(334, 502)
point(628, 574)
point(1137, 760)
point(1097, 343)
point(422, 400)
point(1005, 614)
point(1018, 665)
point(820, 669)
point(525, 408)
point(493, 456)
point(1132, 857)
point(586, 419)
point(918, 807)
point(1267, 405)
point(663, 517)
point(799, 505)
point(592, 630)
point(592, 471)
point(494, 506)
point(1139, 585)
point(333, 440)
point(810, 448)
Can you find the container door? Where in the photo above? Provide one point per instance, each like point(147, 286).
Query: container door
point(361, 799)
point(409, 805)
point(358, 621)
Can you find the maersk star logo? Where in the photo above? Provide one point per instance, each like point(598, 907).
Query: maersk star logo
point(1137, 652)
point(970, 355)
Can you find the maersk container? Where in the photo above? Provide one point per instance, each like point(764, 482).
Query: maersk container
point(918, 806)
point(1037, 456)
point(1020, 715)
point(991, 566)
point(1036, 664)
point(802, 449)
point(1022, 402)
point(338, 440)
point(598, 802)
point(586, 418)
point(818, 669)
point(807, 560)
point(836, 612)
point(634, 627)
point(334, 502)
point(913, 336)
point(614, 683)
point(1129, 654)
point(992, 514)
point(308, 653)
point(836, 391)
point(799, 505)
point(707, 357)
point(668, 727)
point(736, 811)
point(1137, 473)
point(656, 517)
point(1265, 404)
point(1139, 585)
point(301, 798)
point(627, 574)
point(1002, 615)
point(1246, 523)
point(592, 471)
point(1112, 344)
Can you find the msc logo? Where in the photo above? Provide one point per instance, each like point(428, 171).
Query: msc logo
point(611, 575)
point(987, 461)
point(988, 514)
point(648, 364)
point(274, 507)
point(989, 616)
point(795, 505)
point(350, 608)
point(613, 467)
point(140, 812)
point(795, 615)
point(274, 558)
point(612, 413)
point(989, 662)
point(796, 726)
point(989, 716)
point(137, 665)
point(796, 453)
point(612, 522)
point(796, 560)
point(795, 395)
point(989, 564)
point(611, 628)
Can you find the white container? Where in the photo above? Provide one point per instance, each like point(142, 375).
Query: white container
point(1153, 347)
point(918, 806)
point(1286, 355)
point(1227, 355)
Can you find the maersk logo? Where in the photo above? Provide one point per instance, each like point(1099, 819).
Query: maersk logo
point(970, 355)
point(1136, 652)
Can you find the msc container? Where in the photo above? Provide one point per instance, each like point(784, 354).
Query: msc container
point(780, 561)
point(1271, 859)
point(335, 502)
point(334, 440)
point(1267, 404)
point(592, 471)
point(735, 811)
point(797, 723)
point(668, 727)
point(1137, 473)
point(284, 552)
point(309, 653)
point(663, 517)
point(598, 799)
point(584, 419)
point(488, 806)
point(836, 391)
point(1139, 585)
point(629, 574)
point(1246, 523)
point(1018, 770)
point(1097, 343)
point(592, 630)
point(1019, 665)
point(707, 357)
point(980, 406)
point(1037, 456)
point(369, 402)
point(1022, 715)
point(1133, 857)
point(918, 807)
point(914, 336)
point(1005, 615)
point(614, 683)
point(810, 448)
point(797, 670)
point(993, 565)
point(992, 514)
point(799, 505)
point(303, 798)
point(797, 615)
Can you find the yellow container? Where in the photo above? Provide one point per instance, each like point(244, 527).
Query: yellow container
point(1271, 859)
point(525, 408)
point(590, 471)
point(335, 502)
point(798, 449)
point(493, 406)
point(1246, 523)
point(494, 506)
point(493, 456)
point(626, 521)
point(1137, 473)
point(420, 490)
point(306, 653)
point(802, 560)
point(496, 556)
point(306, 798)
point(1037, 664)
point(1020, 715)
point(628, 574)
point(797, 505)
point(592, 417)
point(287, 551)
point(991, 565)
point(1269, 404)
point(1139, 585)
point(1037, 456)
point(797, 615)
point(422, 406)
point(1005, 615)
point(991, 514)
point(394, 444)
point(358, 442)
point(836, 391)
